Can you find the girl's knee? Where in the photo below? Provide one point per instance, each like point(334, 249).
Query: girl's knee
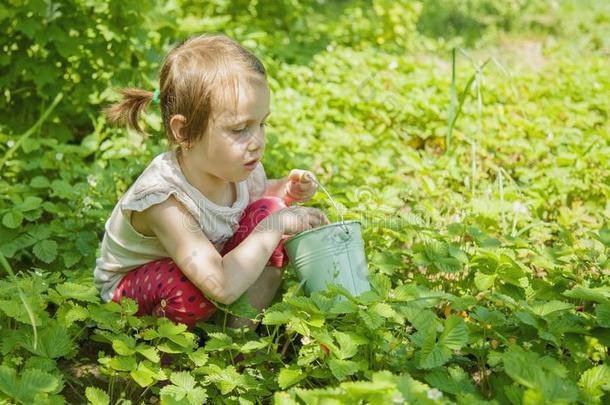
point(268, 205)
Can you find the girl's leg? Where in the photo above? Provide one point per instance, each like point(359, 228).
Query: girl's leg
point(160, 289)
point(261, 293)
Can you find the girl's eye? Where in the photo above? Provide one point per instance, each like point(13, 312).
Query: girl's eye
point(239, 131)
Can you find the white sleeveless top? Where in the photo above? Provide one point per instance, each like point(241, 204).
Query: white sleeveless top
point(123, 248)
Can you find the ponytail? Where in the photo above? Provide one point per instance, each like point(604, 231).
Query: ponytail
point(128, 110)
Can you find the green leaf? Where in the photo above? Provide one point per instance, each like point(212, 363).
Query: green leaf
point(289, 376)
point(484, 281)
point(149, 352)
point(124, 345)
point(602, 313)
point(183, 379)
point(452, 380)
point(277, 318)
point(594, 381)
point(219, 341)
point(172, 395)
point(121, 363)
point(371, 319)
point(87, 293)
point(549, 307)
point(433, 355)
point(96, 396)
point(62, 189)
point(226, 379)
point(141, 377)
point(242, 308)
point(599, 294)
point(30, 203)
point(455, 334)
point(604, 236)
point(35, 381)
point(46, 250)
point(53, 342)
point(348, 343)
point(381, 284)
point(342, 368)
point(12, 219)
point(384, 310)
point(39, 182)
point(28, 385)
point(253, 345)
point(197, 396)
point(199, 357)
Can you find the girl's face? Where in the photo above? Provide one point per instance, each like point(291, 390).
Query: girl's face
point(235, 135)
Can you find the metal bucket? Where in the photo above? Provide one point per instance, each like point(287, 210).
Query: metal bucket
point(332, 254)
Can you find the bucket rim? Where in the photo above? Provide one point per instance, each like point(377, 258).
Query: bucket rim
point(307, 232)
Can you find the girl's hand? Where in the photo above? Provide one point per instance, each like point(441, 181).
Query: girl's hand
point(300, 186)
point(296, 219)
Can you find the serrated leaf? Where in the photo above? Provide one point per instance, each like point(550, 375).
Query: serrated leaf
point(46, 250)
point(149, 352)
point(242, 307)
point(199, 357)
point(455, 334)
point(348, 344)
point(549, 307)
point(452, 380)
point(173, 395)
point(602, 314)
point(381, 284)
point(384, 310)
point(30, 203)
point(122, 363)
point(484, 281)
point(124, 345)
point(218, 341)
point(183, 379)
point(595, 380)
point(197, 396)
point(288, 377)
point(253, 345)
point(39, 182)
point(87, 293)
point(53, 342)
point(276, 318)
point(12, 219)
point(342, 368)
point(96, 396)
point(141, 377)
point(34, 381)
point(600, 294)
point(433, 355)
point(370, 319)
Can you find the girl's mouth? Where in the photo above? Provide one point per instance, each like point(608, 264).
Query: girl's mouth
point(251, 164)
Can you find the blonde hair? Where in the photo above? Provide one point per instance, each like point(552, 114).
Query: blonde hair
point(194, 74)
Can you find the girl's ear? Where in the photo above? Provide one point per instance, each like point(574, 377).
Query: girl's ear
point(176, 123)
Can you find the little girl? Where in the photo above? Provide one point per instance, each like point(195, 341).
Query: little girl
point(202, 222)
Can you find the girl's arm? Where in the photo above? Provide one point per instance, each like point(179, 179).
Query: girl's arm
point(223, 279)
point(276, 188)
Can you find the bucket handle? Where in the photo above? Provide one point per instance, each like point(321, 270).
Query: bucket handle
point(312, 178)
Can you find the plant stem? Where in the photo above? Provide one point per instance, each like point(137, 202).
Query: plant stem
point(32, 129)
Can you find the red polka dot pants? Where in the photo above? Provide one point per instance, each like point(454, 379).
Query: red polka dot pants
point(160, 288)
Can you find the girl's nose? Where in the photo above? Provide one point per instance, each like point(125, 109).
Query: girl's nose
point(257, 141)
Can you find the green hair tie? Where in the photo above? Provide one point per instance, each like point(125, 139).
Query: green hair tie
point(156, 95)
